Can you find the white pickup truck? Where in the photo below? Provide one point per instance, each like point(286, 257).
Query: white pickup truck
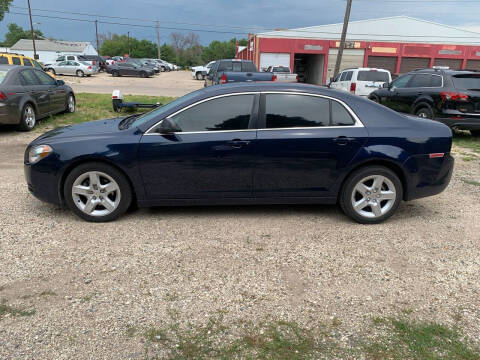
point(283, 73)
point(199, 72)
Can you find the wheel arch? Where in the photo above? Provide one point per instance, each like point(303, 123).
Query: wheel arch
point(421, 103)
point(28, 100)
point(389, 164)
point(82, 161)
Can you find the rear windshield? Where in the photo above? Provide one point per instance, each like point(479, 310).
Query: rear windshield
point(373, 76)
point(3, 73)
point(237, 66)
point(281, 69)
point(467, 82)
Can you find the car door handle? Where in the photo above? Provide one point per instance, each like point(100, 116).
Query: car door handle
point(343, 140)
point(237, 143)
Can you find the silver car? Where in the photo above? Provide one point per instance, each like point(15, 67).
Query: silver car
point(78, 68)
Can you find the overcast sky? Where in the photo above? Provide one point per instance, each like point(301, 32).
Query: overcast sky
point(229, 18)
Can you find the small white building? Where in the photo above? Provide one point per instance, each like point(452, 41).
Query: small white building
point(49, 50)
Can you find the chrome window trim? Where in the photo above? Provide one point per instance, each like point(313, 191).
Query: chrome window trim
point(358, 122)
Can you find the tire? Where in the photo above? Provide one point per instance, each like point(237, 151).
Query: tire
point(71, 103)
point(424, 112)
point(87, 201)
point(162, 69)
point(475, 133)
point(80, 73)
point(199, 76)
point(28, 118)
point(375, 99)
point(51, 71)
point(143, 74)
point(369, 209)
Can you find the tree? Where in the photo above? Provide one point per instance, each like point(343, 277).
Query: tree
point(222, 49)
point(16, 33)
point(168, 54)
point(117, 45)
point(4, 5)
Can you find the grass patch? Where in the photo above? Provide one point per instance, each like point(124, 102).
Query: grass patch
point(6, 309)
point(406, 339)
point(94, 107)
point(399, 338)
point(471, 182)
point(465, 140)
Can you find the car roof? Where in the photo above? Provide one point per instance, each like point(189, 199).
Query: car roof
point(445, 71)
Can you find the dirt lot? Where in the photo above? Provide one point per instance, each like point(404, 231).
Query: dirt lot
point(96, 288)
point(174, 83)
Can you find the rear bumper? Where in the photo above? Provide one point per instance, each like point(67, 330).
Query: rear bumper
point(471, 122)
point(427, 177)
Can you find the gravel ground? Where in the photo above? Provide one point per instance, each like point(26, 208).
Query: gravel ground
point(89, 282)
point(174, 83)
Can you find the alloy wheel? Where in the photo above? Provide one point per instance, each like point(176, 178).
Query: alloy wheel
point(71, 104)
point(29, 116)
point(373, 196)
point(96, 193)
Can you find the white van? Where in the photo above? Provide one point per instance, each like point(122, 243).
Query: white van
point(361, 81)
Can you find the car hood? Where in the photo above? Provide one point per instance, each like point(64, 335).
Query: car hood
point(92, 128)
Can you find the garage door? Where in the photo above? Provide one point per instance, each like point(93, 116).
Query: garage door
point(411, 63)
point(351, 58)
point(455, 64)
point(270, 59)
point(383, 62)
point(473, 65)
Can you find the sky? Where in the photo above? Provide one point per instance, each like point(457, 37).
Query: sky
point(222, 19)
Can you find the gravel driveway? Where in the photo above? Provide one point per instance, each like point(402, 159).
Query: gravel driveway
point(90, 283)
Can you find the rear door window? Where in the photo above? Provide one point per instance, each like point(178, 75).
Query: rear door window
point(225, 66)
point(27, 62)
point(70, 57)
point(437, 81)
point(3, 60)
point(340, 115)
point(225, 113)
point(401, 82)
point(248, 67)
point(16, 60)
point(373, 75)
point(291, 110)
point(467, 82)
point(28, 78)
point(420, 81)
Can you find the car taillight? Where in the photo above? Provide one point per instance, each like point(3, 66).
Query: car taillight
point(223, 79)
point(296, 78)
point(89, 67)
point(274, 78)
point(3, 96)
point(448, 95)
point(436, 155)
point(93, 62)
point(353, 87)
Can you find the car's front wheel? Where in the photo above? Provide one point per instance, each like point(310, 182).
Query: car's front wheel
point(80, 73)
point(199, 76)
point(71, 103)
point(97, 192)
point(371, 195)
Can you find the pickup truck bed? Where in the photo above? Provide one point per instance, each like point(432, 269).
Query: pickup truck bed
point(282, 73)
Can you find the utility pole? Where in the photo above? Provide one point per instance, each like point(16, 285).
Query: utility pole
point(342, 40)
point(96, 35)
point(128, 37)
point(158, 40)
point(35, 56)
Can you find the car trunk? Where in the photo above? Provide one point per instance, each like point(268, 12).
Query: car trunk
point(468, 84)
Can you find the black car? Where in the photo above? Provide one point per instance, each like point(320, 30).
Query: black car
point(449, 96)
point(29, 94)
point(144, 63)
point(129, 69)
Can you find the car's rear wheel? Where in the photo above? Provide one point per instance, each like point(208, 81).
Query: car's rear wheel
point(80, 73)
point(28, 118)
point(143, 74)
point(115, 73)
point(371, 195)
point(51, 71)
point(425, 112)
point(97, 192)
point(374, 98)
point(475, 133)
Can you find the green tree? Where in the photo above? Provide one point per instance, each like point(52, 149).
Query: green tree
point(16, 33)
point(4, 5)
point(117, 45)
point(167, 53)
point(221, 49)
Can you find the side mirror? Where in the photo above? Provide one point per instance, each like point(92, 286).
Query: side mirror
point(60, 82)
point(167, 127)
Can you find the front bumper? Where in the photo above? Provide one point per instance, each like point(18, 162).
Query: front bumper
point(43, 179)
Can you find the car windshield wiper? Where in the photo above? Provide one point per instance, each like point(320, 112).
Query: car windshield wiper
point(126, 122)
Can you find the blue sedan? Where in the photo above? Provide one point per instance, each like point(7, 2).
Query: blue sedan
point(245, 144)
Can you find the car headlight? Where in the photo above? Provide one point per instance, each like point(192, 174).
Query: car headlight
point(38, 152)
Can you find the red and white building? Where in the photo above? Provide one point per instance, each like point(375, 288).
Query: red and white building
point(399, 44)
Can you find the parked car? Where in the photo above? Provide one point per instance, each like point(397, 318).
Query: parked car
point(163, 65)
point(262, 143)
point(449, 96)
point(70, 57)
point(97, 60)
point(283, 73)
point(142, 63)
point(78, 68)
point(361, 81)
point(29, 94)
point(229, 71)
point(19, 59)
point(199, 72)
point(129, 69)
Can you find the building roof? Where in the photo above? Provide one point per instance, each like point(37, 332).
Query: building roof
point(50, 45)
point(389, 29)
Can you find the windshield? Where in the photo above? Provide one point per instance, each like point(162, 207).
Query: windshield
point(373, 75)
point(3, 73)
point(467, 82)
point(154, 113)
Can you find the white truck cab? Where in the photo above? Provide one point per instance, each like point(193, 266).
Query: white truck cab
point(361, 81)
